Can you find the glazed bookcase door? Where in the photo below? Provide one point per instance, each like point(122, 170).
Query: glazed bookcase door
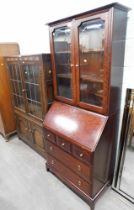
point(92, 62)
point(31, 78)
point(63, 62)
point(17, 89)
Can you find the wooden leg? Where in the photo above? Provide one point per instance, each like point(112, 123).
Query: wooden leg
point(92, 206)
point(47, 168)
point(6, 139)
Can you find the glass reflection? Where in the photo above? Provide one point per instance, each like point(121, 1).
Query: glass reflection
point(62, 47)
point(124, 179)
point(66, 123)
point(91, 51)
point(127, 178)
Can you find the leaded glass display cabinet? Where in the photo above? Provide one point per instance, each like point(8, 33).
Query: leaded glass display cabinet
point(32, 94)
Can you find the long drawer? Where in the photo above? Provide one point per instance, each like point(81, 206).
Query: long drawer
point(72, 163)
point(70, 178)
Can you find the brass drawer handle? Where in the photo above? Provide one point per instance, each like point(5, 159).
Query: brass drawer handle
point(79, 183)
point(52, 162)
point(23, 90)
point(79, 168)
point(51, 148)
point(63, 144)
point(81, 154)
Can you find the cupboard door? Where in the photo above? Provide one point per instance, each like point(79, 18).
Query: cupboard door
point(22, 127)
point(17, 89)
point(63, 62)
point(92, 62)
point(31, 76)
point(38, 137)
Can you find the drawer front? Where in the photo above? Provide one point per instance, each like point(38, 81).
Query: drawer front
point(50, 136)
point(63, 144)
point(68, 176)
point(81, 154)
point(72, 163)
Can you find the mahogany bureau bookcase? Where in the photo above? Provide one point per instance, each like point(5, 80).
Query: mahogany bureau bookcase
point(7, 119)
point(32, 94)
point(81, 126)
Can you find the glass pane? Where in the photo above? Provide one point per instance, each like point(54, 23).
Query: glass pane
point(13, 87)
point(91, 50)
point(16, 85)
point(35, 108)
point(31, 79)
point(15, 101)
point(18, 102)
point(62, 43)
point(31, 73)
point(10, 71)
point(17, 73)
point(33, 92)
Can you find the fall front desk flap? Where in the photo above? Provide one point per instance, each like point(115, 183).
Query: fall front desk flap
point(79, 126)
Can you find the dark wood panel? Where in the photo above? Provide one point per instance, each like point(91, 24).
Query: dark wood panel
point(79, 126)
point(38, 136)
point(72, 163)
point(50, 136)
point(31, 133)
point(6, 108)
point(63, 144)
point(23, 128)
point(81, 154)
point(68, 176)
point(1, 125)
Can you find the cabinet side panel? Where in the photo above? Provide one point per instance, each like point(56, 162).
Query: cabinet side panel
point(117, 60)
point(103, 154)
point(1, 125)
point(5, 100)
